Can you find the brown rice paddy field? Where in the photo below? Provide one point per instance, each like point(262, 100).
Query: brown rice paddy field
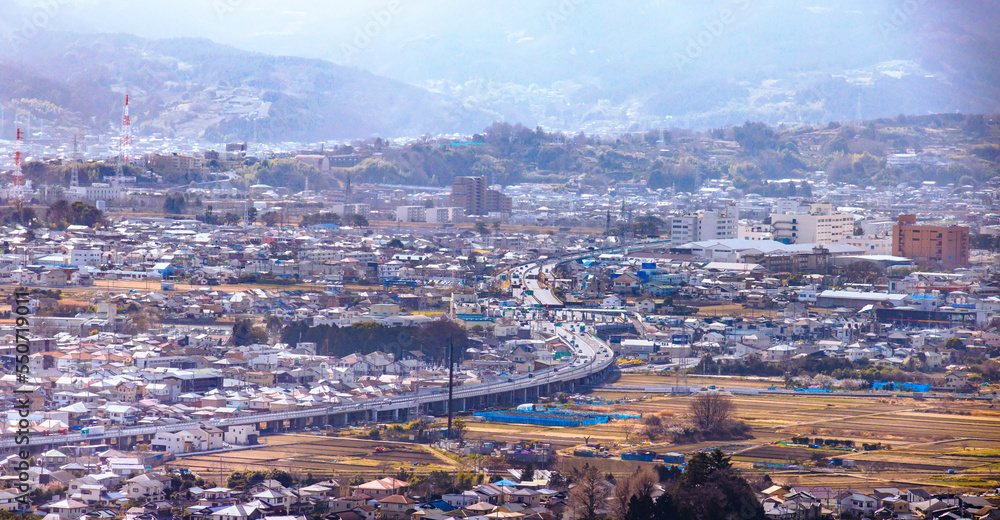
point(322, 456)
point(734, 309)
point(928, 438)
point(639, 379)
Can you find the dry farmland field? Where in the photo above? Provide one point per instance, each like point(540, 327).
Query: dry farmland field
point(322, 456)
point(935, 444)
point(927, 438)
point(638, 379)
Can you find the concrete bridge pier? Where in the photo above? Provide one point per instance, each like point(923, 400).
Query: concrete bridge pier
point(125, 443)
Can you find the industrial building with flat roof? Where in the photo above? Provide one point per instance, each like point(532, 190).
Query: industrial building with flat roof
point(946, 247)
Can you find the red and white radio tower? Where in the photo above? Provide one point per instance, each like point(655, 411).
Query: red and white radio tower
point(17, 187)
point(124, 142)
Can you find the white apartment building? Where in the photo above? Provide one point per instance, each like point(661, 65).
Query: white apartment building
point(442, 215)
point(821, 225)
point(343, 210)
point(873, 245)
point(390, 270)
point(790, 206)
point(85, 257)
point(411, 214)
point(320, 255)
point(880, 227)
point(755, 232)
point(899, 160)
point(705, 225)
point(96, 191)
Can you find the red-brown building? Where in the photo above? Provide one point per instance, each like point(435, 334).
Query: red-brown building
point(946, 247)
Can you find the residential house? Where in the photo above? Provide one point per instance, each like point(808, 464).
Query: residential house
point(238, 512)
point(858, 504)
point(396, 507)
point(146, 487)
point(383, 487)
point(67, 509)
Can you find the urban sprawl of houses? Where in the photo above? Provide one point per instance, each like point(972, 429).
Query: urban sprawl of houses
point(135, 359)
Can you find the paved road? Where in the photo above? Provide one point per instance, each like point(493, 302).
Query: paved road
point(544, 295)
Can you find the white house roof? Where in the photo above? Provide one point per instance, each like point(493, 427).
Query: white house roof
point(864, 296)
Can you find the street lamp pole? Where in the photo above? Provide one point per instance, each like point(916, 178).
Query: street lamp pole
point(451, 383)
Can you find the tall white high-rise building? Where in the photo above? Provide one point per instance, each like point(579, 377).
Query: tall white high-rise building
point(820, 225)
point(705, 225)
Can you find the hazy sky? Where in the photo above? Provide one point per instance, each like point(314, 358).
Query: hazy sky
point(600, 65)
point(595, 52)
point(407, 39)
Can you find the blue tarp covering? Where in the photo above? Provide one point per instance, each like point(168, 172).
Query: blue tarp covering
point(909, 387)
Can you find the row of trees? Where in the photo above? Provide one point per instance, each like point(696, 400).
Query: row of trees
point(285, 172)
point(175, 204)
point(59, 215)
point(325, 217)
point(914, 371)
point(62, 214)
point(433, 339)
point(709, 489)
point(229, 218)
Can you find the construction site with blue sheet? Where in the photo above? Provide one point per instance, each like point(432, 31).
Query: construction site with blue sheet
point(539, 415)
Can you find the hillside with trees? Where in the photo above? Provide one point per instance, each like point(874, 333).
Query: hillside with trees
point(962, 150)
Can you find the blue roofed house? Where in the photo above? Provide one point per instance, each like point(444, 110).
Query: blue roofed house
point(163, 270)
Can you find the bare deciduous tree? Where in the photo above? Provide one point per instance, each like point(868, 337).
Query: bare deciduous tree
point(644, 482)
point(641, 483)
point(653, 427)
point(620, 497)
point(628, 428)
point(711, 410)
point(589, 494)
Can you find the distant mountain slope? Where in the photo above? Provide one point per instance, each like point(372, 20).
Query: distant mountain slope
point(197, 89)
point(568, 65)
point(610, 67)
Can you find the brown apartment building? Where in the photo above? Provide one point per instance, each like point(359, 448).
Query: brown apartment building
point(473, 195)
point(177, 165)
point(946, 247)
